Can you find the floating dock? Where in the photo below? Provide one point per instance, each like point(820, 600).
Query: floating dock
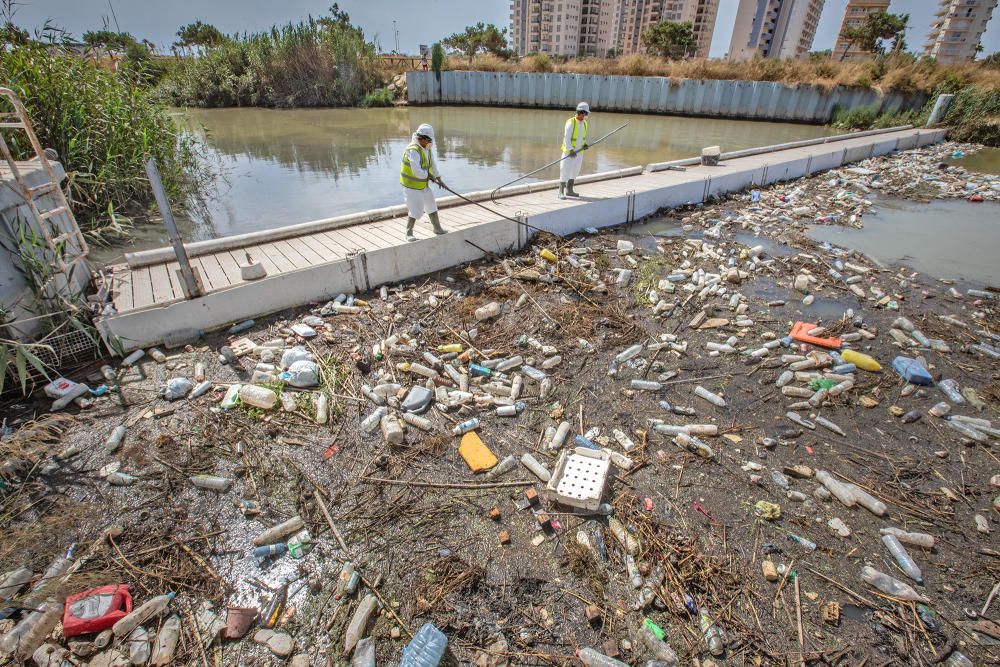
point(315, 261)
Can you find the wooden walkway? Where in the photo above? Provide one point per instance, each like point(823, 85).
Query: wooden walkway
point(143, 288)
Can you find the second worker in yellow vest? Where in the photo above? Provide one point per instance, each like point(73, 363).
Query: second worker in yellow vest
point(418, 170)
point(574, 143)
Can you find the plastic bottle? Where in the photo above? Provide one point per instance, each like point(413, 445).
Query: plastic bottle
point(890, 585)
point(652, 637)
point(166, 642)
point(422, 423)
point(866, 500)
point(906, 563)
point(466, 426)
point(645, 385)
point(121, 479)
point(511, 363)
point(14, 582)
point(200, 389)
point(628, 353)
point(279, 532)
point(359, 622)
point(134, 357)
point(511, 410)
point(711, 633)
point(862, 361)
point(346, 572)
point(241, 326)
point(371, 422)
point(714, 399)
point(31, 630)
point(211, 482)
point(535, 467)
point(258, 397)
point(916, 539)
point(322, 405)
point(952, 391)
point(138, 646)
point(837, 488)
point(620, 436)
point(593, 658)
point(150, 609)
point(502, 468)
point(114, 440)
point(270, 551)
point(957, 659)
point(364, 653)
point(391, 430)
point(694, 445)
point(426, 649)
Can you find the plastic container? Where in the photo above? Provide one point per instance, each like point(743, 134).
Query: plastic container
point(258, 397)
point(535, 467)
point(364, 653)
point(711, 633)
point(371, 422)
point(466, 426)
point(915, 539)
point(837, 488)
point(652, 637)
point(150, 609)
point(96, 610)
point(392, 432)
point(426, 649)
point(912, 371)
point(166, 642)
point(951, 389)
point(889, 585)
point(906, 563)
point(628, 353)
point(138, 646)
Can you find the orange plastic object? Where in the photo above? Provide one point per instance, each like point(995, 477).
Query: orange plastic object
point(800, 332)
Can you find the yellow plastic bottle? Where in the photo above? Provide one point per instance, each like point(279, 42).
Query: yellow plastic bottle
point(862, 361)
point(548, 255)
point(450, 347)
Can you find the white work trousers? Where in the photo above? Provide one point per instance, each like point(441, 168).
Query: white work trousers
point(419, 202)
point(569, 168)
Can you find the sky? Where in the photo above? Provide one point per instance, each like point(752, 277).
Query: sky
point(417, 22)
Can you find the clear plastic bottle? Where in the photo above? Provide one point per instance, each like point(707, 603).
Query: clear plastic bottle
point(114, 440)
point(652, 636)
point(31, 630)
point(359, 622)
point(138, 646)
point(951, 389)
point(426, 649)
point(916, 539)
point(645, 385)
point(837, 488)
point(593, 658)
point(371, 422)
point(150, 609)
point(258, 397)
point(890, 585)
point(166, 642)
point(364, 653)
point(957, 659)
point(535, 467)
point(714, 399)
point(906, 563)
point(628, 353)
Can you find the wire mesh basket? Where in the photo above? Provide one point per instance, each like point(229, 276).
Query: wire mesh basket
point(62, 353)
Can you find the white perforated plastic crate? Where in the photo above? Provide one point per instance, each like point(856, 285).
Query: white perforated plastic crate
point(580, 477)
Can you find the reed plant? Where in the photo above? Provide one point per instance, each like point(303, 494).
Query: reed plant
point(307, 64)
point(103, 124)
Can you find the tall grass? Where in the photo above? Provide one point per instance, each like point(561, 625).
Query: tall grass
point(900, 73)
point(306, 64)
point(103, 124)
point(974, 115)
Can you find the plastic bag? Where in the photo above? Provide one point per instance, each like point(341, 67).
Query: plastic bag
point(297, 353)
point(302, 373)
point(177, 388)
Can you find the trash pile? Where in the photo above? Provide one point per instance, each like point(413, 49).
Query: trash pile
point(612, 449)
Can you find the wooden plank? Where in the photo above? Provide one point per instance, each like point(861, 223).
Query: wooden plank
point(278, 257)
point(334, 244)
point(162, 293)
point(231, 266)
point(382, 235)
point(122, 289)
point(142, 288)
point(211, 271)
point(175, 280)
point(292, 254)
point(363, 240)
point(304, 246)
point(327, 247)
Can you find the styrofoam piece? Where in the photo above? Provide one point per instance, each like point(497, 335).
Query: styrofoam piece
point(580, 477)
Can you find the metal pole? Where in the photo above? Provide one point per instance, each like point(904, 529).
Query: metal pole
point(191, 284)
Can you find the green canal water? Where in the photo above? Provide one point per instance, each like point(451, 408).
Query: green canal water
point(282, 167)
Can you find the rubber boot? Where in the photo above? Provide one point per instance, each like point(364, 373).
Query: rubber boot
point(562, 190)
point(409, 229)
point(438, 229)
point(569, 188)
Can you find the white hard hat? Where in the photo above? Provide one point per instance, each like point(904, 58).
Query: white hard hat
point(583, 106)
point(426, 130)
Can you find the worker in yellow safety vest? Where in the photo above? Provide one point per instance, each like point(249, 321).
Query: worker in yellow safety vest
point(574, 143)
point(419, 168)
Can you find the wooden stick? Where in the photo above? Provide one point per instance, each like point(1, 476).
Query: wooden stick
point(329, 520)
point(436, 485)
point(798, 613)
point(197, 636)
point(386, 605)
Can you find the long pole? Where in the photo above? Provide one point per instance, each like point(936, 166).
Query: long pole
point(505, 217)
point(530, 173)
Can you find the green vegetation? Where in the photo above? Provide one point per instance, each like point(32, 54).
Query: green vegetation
point(974, 116)
point(479, 38)
point(104, 126)
point(437, 58)
point(378, 98)
point(670, 39)
point(198, 34)
point(865, 118)
point(317, 62)
point(876, 27)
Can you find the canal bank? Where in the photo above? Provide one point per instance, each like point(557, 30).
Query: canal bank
point(759, 100)
point(353, 253)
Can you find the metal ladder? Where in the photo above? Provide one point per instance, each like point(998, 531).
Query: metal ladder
point(65, 241)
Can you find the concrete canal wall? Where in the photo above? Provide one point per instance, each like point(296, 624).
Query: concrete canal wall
point(759, 100)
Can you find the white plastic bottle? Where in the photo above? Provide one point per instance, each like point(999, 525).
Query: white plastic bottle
point(166, 642)
point(211, 482)
point(890, 585)
point(150, 609)
point(714, 399)
point(258, 397)
point(593, 658)
point(114, 440)
point(906, 563)
point(359, 622)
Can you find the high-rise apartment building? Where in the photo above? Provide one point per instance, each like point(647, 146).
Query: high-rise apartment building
point(774, 28)
point(854, 16)
point(595, 27)
point(957, 28)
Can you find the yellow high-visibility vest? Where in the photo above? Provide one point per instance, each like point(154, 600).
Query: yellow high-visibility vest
point(406, 177)
point(576, 131)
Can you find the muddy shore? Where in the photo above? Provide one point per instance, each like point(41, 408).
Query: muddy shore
point(416, 520)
